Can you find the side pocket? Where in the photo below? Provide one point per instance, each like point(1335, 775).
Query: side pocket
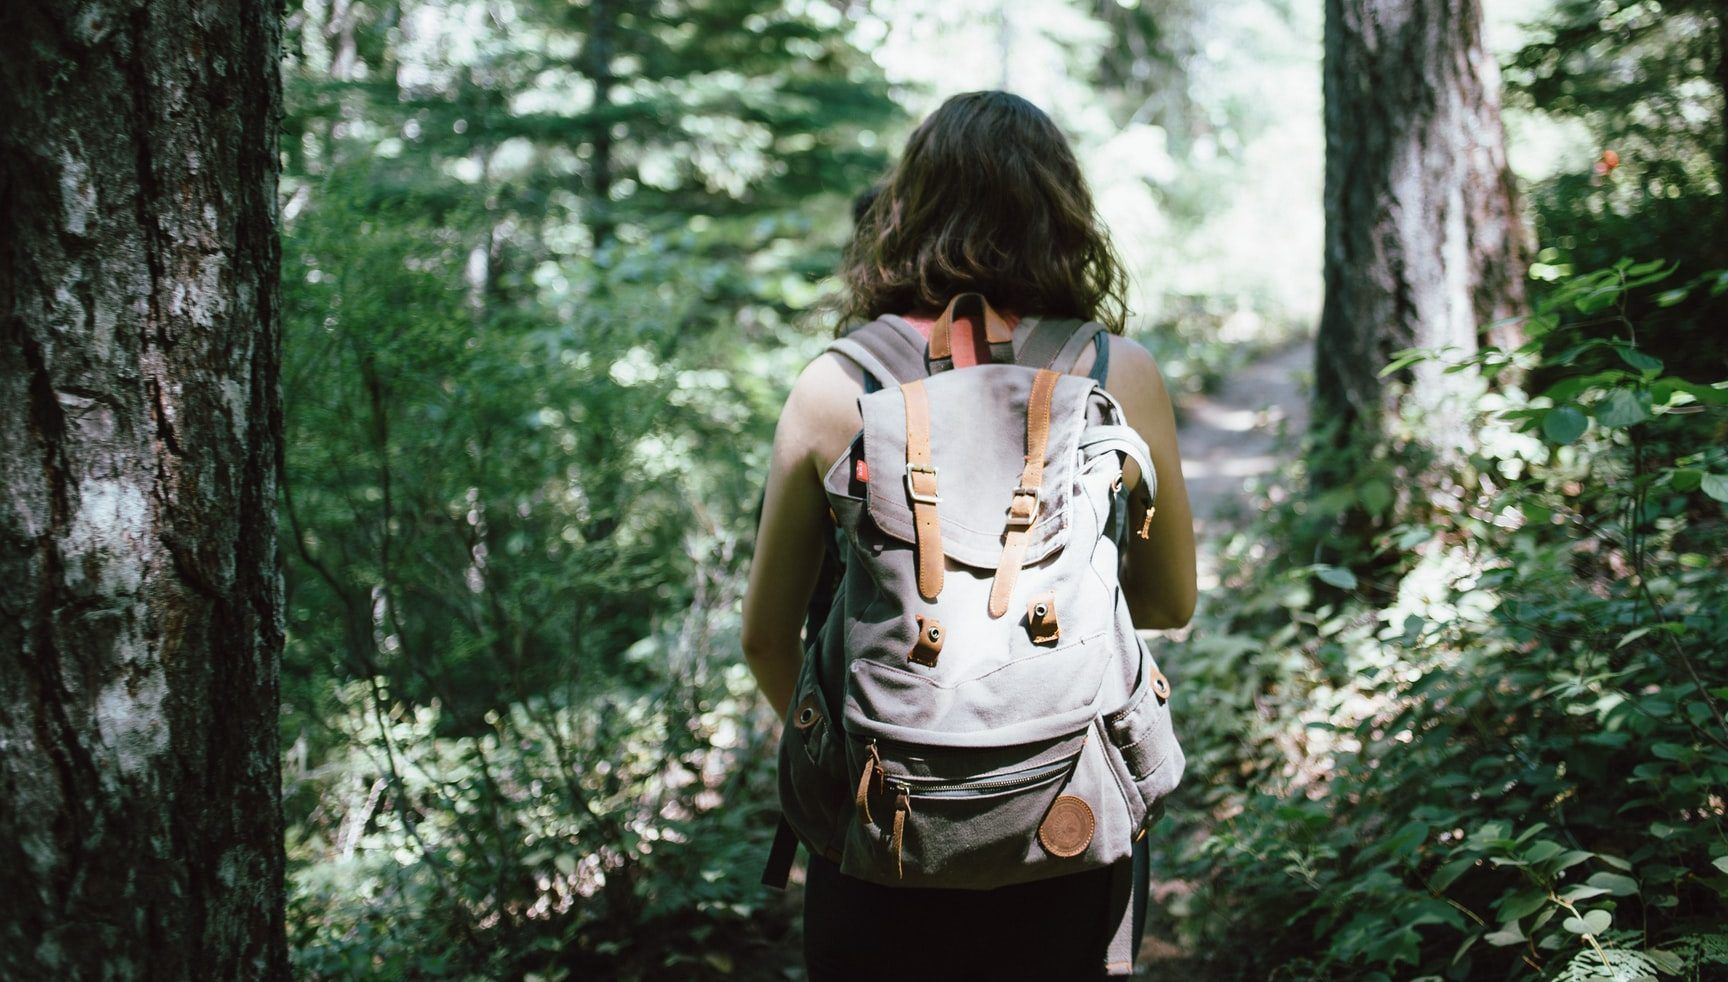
point(1098, 479)
point(1142, 733)
point(812, 771)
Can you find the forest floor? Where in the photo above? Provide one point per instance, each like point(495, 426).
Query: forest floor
point(1246, 429)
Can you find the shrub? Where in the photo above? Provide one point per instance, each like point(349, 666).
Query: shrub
point(1500, 751)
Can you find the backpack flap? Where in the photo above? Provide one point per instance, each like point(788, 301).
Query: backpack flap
point(977, 445)
point(844, 483)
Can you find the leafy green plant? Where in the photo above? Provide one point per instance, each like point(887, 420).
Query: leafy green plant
point(542, 264)
point(1492, 744)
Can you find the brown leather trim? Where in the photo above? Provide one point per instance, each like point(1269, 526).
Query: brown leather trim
point(1160, 686)
point(929, 642)
point(1038, 427)
point(921, 488)
point(996, 330)
point(902, 805)
point(1067, 827)
point(1023, 507)
point(872, 768)
point(1042, 626)
point(1146, 522)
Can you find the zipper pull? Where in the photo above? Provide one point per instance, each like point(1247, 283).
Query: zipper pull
point(1146, 523)
point(902, 805)
point(872, 769)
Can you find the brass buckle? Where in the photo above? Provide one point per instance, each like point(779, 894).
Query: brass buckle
point(912, 490)
point(1030, 518)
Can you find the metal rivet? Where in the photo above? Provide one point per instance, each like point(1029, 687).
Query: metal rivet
point(1041, 610)
point(808, 716)
point(1160, 686)
point(935, 633)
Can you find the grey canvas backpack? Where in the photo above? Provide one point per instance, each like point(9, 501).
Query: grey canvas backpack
point(977, 710)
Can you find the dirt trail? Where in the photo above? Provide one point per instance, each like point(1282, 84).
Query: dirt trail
point(1244, 430)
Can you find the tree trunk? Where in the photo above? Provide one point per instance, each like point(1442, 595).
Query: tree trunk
point(597, 64)
point(140, 443)
point(1423, 242)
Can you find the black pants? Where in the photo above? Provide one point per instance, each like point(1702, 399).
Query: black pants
point(1054, 929)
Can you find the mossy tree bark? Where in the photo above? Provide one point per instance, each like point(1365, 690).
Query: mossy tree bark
point(1423, 241)
point(140, 447)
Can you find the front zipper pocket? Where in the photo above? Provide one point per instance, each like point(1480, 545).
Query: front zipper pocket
point(940, 816)
point(1020, 780)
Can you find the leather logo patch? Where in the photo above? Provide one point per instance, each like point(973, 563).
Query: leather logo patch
point(1067, 827)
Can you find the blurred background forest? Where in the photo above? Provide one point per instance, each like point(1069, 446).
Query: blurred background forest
point(549, 269)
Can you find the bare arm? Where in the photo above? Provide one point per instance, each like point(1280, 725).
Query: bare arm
point(815, 425)
point(1159, 574)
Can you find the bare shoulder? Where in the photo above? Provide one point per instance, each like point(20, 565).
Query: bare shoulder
point(1131, 359)
point(1136, 380)
point(821, 413)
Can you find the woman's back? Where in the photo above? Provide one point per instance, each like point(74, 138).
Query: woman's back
point(987, 198)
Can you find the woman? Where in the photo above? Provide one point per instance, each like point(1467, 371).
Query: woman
point(987, 198)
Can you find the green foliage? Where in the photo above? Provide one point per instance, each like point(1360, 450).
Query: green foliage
point(524, 848)
point(1494, 743)
point(545, 272)
point(1640, 78)
point(540, 294)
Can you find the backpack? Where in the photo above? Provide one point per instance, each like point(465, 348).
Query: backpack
point(976, 710)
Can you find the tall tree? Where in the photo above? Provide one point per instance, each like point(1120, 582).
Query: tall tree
point(140, 444)
point(1423, 241)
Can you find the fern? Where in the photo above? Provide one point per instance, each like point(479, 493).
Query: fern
point(1623, 965)
point(1629, 965)
point(1697, 950)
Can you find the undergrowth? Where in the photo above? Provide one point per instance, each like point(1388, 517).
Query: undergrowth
point(1486, 740)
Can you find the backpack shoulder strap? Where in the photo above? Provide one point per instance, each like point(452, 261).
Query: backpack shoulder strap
point(1120, 436)
point(888, 348)
point(1057, 343)
point(1101, 362)
point(1077, 342)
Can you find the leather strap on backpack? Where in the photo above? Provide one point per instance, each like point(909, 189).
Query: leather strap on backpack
point(996, 332)
point(1023, 506)
point(921, 488)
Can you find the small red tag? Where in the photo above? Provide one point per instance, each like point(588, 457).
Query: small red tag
point(862, 469)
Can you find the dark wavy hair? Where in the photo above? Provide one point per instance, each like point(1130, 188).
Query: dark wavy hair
point(988, 198)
